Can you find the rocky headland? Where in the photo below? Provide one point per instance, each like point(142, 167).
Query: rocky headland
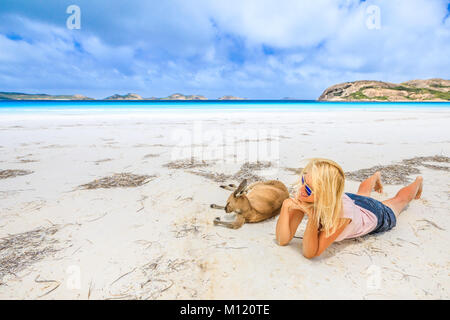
point(414, 90)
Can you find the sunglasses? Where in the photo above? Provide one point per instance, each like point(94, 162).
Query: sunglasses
point(308, 189)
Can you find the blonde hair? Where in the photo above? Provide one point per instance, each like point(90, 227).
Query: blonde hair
point(328, 179)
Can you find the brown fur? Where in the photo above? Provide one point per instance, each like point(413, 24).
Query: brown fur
point(259, 201)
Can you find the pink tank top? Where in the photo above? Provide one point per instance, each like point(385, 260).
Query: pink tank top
point(363, 221)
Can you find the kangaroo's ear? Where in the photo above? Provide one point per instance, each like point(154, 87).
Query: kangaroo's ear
point(240, 190)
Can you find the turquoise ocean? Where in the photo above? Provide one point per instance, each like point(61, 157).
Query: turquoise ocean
point(8, 107)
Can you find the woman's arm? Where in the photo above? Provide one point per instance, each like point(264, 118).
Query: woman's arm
point(310, 238)
point(288, 222)
point(315, 242)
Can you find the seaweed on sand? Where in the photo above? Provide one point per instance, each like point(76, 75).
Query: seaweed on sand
point(245, 172)
point(186, 230)
point(294, 170)
point(28, 160)
point(398, 173)
point(151, 280)
point(390, 174)
point(4, 174)
point(102, 160)
point(187, 164)
point(214, 176)
point(421, 161)
point(20, 250)
point(151, 155)
point(258, 165)
point(119, 180)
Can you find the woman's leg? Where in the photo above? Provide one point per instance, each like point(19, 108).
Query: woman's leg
point(405, 195)
point(371, 183)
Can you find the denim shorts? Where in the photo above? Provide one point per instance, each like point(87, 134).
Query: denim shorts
point(385, 216)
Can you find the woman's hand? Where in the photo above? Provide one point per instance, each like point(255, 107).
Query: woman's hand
point(297, 195)
point(298, 205)
point(289, 219)
point(294, 206)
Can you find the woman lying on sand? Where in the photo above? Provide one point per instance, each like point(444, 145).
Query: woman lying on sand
point(334, 215)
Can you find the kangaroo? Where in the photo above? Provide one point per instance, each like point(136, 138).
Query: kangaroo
point(259, 201)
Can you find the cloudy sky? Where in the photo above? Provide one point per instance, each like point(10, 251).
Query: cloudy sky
point(258, 49)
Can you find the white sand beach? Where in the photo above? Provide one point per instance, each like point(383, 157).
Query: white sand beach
point(158, 240)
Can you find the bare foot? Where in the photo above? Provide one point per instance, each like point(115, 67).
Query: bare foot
point(419, 191)
point(378, 185)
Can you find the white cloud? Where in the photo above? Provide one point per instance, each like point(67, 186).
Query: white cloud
point(215, 47)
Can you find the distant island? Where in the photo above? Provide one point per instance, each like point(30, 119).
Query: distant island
point(129, 96)
point(364, 90)
point(26, 96)
point(175, 96)
point(414, 90)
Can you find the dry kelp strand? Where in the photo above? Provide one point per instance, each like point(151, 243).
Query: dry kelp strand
point(119, 180)
point(4, 174)
point(18, 251)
